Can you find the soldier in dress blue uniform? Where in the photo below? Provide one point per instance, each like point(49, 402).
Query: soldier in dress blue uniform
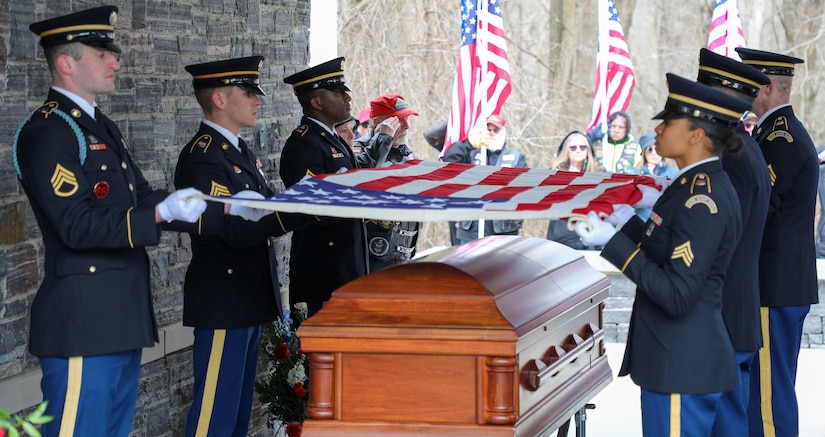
point(92, 314)
point(678, 348)
point(787, 262)
point(328, 254)
point(231, 285)
point(749, 174)
point(389, 242)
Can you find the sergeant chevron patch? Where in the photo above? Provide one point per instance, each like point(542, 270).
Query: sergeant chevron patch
point(773, 175)
point(684, 252)
point(63, 181)
point(219, 190)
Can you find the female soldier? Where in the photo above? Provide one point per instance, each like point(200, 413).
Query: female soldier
point(678, 349)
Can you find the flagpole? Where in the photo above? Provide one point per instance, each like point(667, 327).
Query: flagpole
point(604, 43)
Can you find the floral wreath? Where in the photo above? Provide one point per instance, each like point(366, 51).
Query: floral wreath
point(284, 387)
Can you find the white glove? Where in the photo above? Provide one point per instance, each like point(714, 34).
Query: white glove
point(649, 196)
point(594, 231)
point(248, 212)
point(341, 170)
point(621, 214)
point(389, 126)
point(180, 205)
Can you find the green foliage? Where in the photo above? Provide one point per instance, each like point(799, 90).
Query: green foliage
point(14, 424)
point(285, 387)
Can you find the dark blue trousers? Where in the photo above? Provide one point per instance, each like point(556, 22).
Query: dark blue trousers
point(674, 414)
point(91, 396)
point(225, 361)
point(732, 415)
point(773, 409)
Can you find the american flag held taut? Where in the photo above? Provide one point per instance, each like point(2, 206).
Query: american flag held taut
point(439, 191)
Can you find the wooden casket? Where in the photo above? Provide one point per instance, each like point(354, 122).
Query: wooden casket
point(498, 337)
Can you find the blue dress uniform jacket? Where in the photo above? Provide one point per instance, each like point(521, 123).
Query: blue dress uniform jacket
point(95, 218)
point(232, 279)
point(787, 263)
point(749, 175)
point(677, 340)
point(332, 252)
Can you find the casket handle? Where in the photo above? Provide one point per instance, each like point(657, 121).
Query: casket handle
point(575, 346)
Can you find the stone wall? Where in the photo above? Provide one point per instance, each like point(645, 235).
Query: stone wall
point(155, 109)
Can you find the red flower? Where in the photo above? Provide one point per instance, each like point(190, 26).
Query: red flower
point(293, 429)
point(298, 388)
point(281, 352)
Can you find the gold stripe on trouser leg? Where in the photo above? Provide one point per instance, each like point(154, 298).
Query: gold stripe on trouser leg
point(765, 389)
point(211, 384)
point(675, 415)
point(72, 401)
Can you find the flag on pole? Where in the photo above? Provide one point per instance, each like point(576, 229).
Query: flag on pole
point(441, 191)
point(614, 71)
point(482, 77)
point(726, 30)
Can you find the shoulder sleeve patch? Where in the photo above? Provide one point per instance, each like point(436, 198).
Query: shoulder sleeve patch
point(202, 143)
point(781, 134)
point(219, 190)
point(701, 199)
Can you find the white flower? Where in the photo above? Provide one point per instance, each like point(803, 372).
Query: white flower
point(296, 374)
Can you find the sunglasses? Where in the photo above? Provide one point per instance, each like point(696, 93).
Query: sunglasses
point(581, 147)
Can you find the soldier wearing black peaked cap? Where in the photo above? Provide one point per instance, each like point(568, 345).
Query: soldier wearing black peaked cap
point(231, 285)
point(678, 259)
point(749, 174)
point(787, 262)
point(335, 247)
point(92, 315)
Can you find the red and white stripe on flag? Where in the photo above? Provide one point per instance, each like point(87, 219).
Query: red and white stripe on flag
point(614, 70)
point(726, 30)
point(440, 191)
point(482, 78)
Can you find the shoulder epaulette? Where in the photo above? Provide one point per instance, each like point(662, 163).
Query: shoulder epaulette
point(48, 109)
point(701, 181)
point(302, 129)
point(700, 188)
point(202, 142)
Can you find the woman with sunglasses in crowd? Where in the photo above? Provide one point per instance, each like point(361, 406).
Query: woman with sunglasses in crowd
point(574, 154)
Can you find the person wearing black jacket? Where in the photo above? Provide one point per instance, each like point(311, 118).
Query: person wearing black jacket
point(328, 254)
point(749, 175)
point(92, 315)
point(389, 242)
point(231, 285)
point(678, 348)
point(787, 261)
